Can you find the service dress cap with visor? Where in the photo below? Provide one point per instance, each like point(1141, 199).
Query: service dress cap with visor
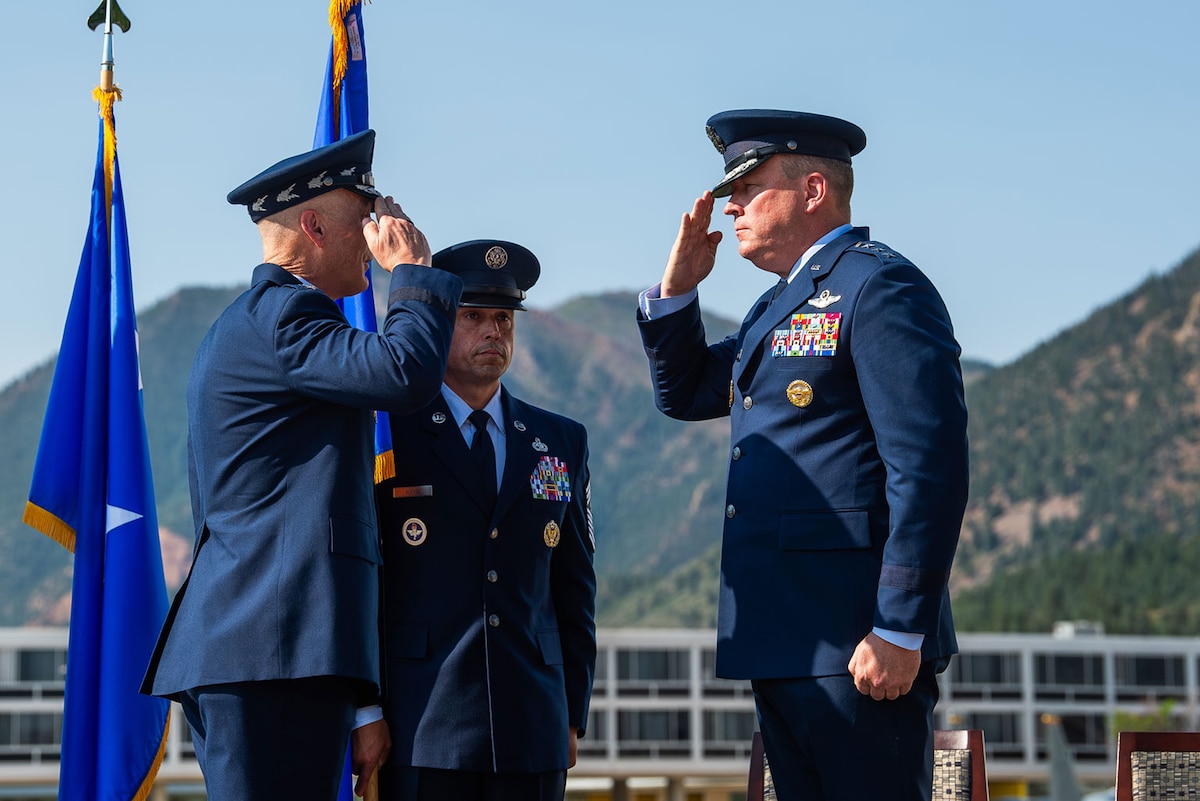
point(495, 273)
point(748, 137)
point(344, 164)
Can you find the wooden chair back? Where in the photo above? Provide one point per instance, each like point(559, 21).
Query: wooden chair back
point(1157, 764)
point(959, 770)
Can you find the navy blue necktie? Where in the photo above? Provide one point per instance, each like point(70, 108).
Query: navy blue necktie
point(782, 285)
point(484, 453)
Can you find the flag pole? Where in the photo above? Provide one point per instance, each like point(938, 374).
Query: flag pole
point(106, 57)
point(108, 13)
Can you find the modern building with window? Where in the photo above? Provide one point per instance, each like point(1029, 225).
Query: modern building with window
point(663, 728)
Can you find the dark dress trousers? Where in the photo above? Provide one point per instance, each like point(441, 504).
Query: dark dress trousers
point(284, 580)
point(489, 635)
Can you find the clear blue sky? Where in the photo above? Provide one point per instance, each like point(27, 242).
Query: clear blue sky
point(1036, 159)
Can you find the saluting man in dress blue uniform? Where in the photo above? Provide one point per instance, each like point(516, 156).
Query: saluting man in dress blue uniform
point(272, 641)
point(847, 466)
point(489, 590)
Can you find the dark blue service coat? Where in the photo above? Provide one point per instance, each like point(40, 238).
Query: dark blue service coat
point(848, 462)
point(284, 581)
point(489, 633)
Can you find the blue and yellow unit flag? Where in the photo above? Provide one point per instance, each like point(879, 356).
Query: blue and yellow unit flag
point(92, 492)
point(343, 112)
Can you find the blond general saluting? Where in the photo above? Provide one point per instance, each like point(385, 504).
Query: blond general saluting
point(271, 644)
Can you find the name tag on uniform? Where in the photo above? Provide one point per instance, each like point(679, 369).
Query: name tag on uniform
point(423, 491)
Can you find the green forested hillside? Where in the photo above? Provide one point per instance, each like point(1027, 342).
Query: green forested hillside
point(1085, 477)
point(1085, 474)
point(35, 573)
point(656, 484)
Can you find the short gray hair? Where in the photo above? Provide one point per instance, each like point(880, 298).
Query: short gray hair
point(838, 174)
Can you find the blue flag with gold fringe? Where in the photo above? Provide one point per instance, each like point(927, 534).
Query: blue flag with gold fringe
point(343, 112)
point(92, 492)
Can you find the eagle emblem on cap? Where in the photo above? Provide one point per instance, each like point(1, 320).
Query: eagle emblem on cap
point(715, 137)
point(496, 257)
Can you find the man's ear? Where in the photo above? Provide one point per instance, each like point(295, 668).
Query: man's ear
point(816, 190)
point(310, 224)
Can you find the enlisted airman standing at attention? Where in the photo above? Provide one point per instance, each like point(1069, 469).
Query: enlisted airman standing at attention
point(847, 465)
point(272, 642)
point(489, 637)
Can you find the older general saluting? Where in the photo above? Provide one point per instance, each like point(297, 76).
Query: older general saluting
point(272, 641)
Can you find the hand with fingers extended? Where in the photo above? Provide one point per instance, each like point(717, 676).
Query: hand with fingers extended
point(882, 670)
point(392, 237)
point(695, 250)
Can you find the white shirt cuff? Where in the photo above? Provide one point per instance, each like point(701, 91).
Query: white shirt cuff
point(654, 306)
point(367, 714)
point(911, 642)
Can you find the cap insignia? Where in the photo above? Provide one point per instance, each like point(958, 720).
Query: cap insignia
point(258, 204)
point(348, 171)
point(715, 138)
point(496, 257)
point(320, 180)
point(287, 195)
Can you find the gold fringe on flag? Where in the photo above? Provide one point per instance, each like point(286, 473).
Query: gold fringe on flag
point(49, 524)
point(385, 466)
point(143, 792)
point(106, 101)
point(338, 9)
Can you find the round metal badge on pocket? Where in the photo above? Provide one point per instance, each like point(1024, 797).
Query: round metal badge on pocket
point(800, 393)
point(415, 531)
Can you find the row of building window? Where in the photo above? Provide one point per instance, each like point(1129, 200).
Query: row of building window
point(48, 666)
